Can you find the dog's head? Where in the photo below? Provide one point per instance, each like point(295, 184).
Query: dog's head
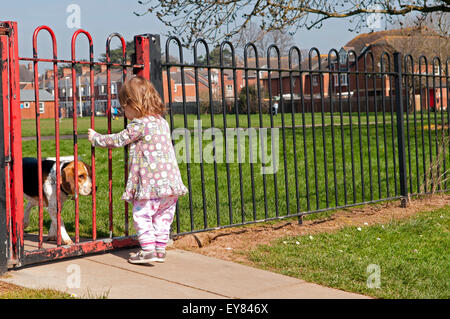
point(84, 179)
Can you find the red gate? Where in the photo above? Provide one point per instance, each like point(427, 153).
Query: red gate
point(13, 219)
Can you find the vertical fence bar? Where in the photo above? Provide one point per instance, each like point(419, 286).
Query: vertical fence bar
point(224, 111)
point(199, 128)
point(424, 190)
point(366, 94)
point(350, 118)
point(293, 112)
point(305, 147)
point(330, 93)
point(400, 127)
point(249, 125)
point(383, 104)
point(377, 139)
point(75, 114)
point(38, 140)
point(238, 135)
point(324, 139)
point(311, 96)
point(109, 123)
point(108, 112)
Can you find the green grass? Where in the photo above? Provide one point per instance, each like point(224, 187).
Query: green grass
point(412, 256)
point(66, 125)
point(236, 205)
point(16, 292)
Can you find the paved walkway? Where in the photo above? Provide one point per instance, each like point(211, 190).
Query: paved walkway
point(184, 275)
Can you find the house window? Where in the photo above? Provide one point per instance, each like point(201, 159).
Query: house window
point(113, 89)
point(437, 70)
point(41, 107)
point(103, 89)
point(63, 92)
point(26, 105)
point(229, 87)
point(343, 57)
point(70, 92)
point(344, 80)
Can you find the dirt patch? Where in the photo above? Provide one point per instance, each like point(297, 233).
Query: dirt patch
point(232, 244)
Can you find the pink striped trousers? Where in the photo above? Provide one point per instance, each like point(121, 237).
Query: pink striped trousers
point(152, 219)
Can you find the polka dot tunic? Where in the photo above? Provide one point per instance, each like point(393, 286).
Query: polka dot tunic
point(153, 168)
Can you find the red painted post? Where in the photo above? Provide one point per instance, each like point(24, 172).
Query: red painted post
point(16, 180)
point(5, 192)
point(142, 48)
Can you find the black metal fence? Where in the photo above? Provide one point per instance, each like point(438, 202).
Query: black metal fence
point(347, 131)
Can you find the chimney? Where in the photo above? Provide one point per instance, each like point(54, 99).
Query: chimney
point(103, 68)
point(66, 72)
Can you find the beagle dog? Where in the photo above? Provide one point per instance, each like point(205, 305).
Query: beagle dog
point(67, 187)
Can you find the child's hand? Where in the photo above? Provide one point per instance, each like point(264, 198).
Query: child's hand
point(91, 134)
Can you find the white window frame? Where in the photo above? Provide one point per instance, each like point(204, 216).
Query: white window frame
point(41, 107)
point(26, 105)
point(229, 87)
point(344, 79)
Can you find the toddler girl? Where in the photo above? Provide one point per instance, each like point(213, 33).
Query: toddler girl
point(154, 181)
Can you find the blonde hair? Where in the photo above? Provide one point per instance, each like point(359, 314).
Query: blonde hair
point(141, 95)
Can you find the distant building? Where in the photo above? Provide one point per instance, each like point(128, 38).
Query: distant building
point(28, 104)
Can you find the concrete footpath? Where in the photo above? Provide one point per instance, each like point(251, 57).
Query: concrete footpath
point(184, 275)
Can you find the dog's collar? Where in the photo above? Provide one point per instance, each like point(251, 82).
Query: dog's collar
point(63, 165)
point(64, 191)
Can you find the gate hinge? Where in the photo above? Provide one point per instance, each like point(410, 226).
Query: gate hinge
point(7, 161)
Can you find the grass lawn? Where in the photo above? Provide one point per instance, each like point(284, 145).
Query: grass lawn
point(369, 176)
point(412, 256)
point(101, 123)
point(9, 291)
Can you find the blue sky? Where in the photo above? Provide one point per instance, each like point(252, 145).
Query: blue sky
point(102, 17)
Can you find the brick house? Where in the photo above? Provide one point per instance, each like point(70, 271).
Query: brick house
point(414, 41)
point(404, 41)
point(28, 104)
